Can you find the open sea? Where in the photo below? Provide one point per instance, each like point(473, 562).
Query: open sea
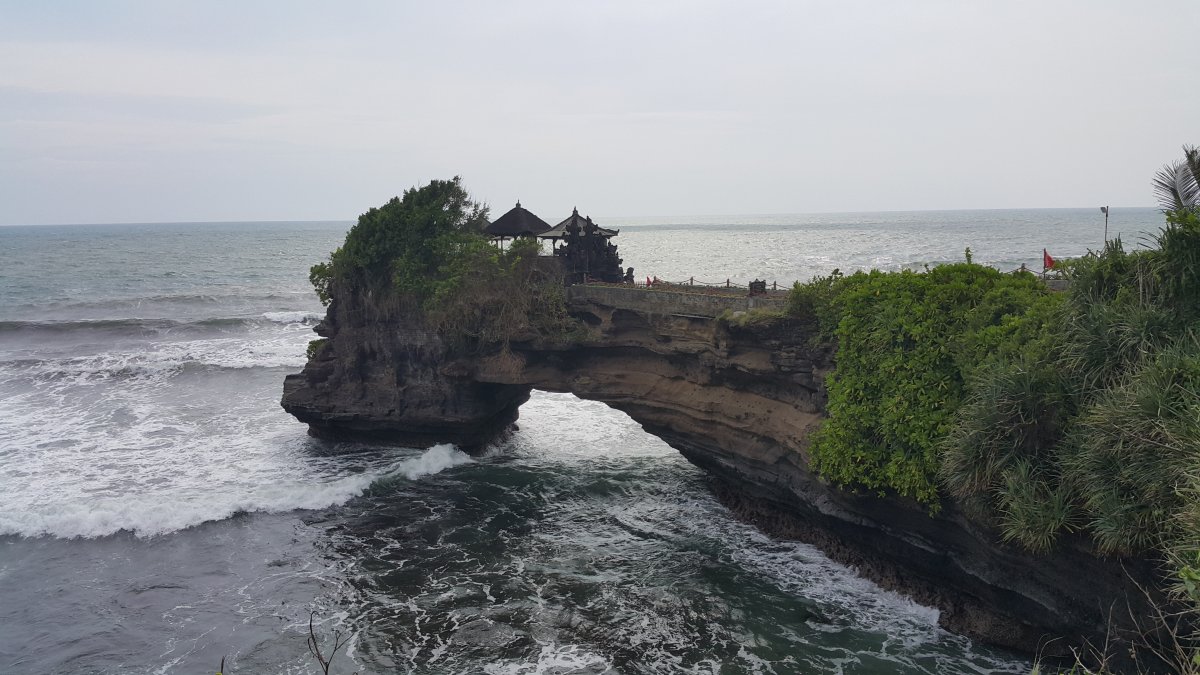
point(159, 511)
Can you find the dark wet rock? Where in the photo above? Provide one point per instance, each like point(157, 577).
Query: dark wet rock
point(384, 377)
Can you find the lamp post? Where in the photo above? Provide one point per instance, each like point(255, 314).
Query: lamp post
point(1104, 209)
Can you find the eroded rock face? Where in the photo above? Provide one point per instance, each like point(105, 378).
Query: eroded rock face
point(384, 377)
point(740, 402)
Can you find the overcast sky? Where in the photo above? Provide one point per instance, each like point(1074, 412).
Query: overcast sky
point(182, 111)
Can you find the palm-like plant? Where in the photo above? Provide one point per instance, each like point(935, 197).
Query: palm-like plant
point(1177, 185)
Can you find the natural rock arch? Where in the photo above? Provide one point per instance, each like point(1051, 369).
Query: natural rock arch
point(738, 401)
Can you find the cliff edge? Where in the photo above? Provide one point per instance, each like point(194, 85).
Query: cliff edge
point(739, 401)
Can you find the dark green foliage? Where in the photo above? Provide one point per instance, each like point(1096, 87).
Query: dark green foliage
point(1102, 341)
point(907, 342)
point(315, 347)
point(483, 297)
point(1134, 447)
point(1177, 268)
point(814, 302)
point(405, 242)
point(1040, 413)
point(426, 253)
point(321, 277)
point(1015, 413)
point(1096, 425)
point(1035, 505)
point(1098, 277)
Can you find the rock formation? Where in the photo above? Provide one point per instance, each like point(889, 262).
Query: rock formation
point(738, 401)
point(383, 377)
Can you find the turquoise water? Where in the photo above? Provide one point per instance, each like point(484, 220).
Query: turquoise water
point(161, 511)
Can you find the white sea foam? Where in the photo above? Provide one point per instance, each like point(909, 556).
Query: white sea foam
point(841, 599)
point(555, 659)
point(139, 484)
point(434, 460)
point(149, 514)
point(293, 317)
point(163, 359)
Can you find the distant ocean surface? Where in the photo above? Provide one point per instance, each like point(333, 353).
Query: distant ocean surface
point(159, 510)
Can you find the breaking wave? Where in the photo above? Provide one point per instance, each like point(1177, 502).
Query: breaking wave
point(64, 303)
point(308, 318)
point(147, 513)
point(155, 327)
point(165, 359)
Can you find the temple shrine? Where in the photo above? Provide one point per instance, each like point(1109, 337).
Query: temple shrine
point(518, 222)
point(584, 249)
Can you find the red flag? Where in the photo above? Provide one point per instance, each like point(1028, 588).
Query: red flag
point(1047, 261)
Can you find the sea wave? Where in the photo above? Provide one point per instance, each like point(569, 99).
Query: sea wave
point(158, 326)
point(166, 359)
point(434, 460)
point(308, 318)
point(146, 513)
point(173, 299)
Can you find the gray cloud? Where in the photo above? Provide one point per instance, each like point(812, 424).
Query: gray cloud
point(150, 111)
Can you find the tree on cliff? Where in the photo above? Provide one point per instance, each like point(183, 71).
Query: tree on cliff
point(403, 243)
point(428, 250)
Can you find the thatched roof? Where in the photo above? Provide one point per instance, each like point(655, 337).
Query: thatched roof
point(560, 230)
point(518, 222)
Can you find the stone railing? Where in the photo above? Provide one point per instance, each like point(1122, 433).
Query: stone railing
point(655, 301)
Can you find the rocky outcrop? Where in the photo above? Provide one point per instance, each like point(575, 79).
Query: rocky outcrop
point(381, 376)
point(740, 402)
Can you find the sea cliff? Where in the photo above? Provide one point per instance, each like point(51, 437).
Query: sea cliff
point(739, 399)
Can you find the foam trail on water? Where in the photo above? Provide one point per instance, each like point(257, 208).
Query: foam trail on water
point(164, 359)
point(293, 317)
point(554, 659)
point(151, 513)
point(155, 514)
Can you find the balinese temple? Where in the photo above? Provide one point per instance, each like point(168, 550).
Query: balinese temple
point(518, 222)
point(559, 232)
point(582, 247)
point(586, 251)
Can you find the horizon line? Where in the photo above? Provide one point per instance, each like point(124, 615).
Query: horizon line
point(613, 217)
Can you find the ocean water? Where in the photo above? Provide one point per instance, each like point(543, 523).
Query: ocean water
point(159, 511)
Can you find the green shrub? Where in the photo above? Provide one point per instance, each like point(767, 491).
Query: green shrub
point(1092, 421)
point(1016, 412)
point(1177, 267)
point(483, 297)
point(321, 277)
point(403, 244)
point(315, 347)
point(426, 253)
point(813, 301)
point(1134, 449)
point(906, 343)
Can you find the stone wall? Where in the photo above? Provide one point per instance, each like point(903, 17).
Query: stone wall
point(653, 301)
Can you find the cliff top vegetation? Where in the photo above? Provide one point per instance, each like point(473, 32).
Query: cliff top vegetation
point(1042, 413)
point(403, 245)
point(426, 252)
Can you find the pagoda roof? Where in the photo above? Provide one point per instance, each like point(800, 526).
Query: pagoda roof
point(516, 223)
point(560, 230)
